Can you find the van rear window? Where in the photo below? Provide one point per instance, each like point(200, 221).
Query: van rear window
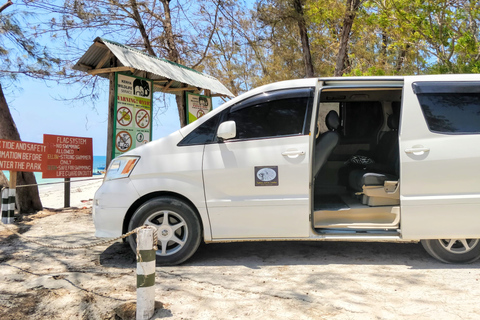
point(452, 113)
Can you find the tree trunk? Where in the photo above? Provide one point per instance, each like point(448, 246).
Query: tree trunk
point(401, 58)
point(3, 180)
point(307, 57)
point(182, 108)
point(350, 13)
point(141, 28)
point(28, 197)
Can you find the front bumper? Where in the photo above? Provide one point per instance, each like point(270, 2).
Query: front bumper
point(110, 205)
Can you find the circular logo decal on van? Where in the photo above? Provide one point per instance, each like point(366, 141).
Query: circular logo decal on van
point(266, 174)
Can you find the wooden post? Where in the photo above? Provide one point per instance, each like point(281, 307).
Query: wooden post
point(111, 118)
point(9, 203)
point(66, 196)
point(145, 274)
point(5, 204)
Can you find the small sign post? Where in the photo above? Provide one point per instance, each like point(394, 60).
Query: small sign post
point(18, 156)
point(197, 106)
point(132, 113)
point(67, 157)
point(58, 157)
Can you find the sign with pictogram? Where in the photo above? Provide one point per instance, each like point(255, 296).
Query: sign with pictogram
point(124, 116)
point(133, 100)
point(142, 118)
point(67, 157)
point(21, 156)
point(123, 141)
point(197, 106)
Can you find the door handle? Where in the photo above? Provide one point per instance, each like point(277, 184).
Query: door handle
point(417, 150)
point(293, 153)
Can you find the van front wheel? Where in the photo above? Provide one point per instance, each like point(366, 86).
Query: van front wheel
point(178, 228)
point(453, 250)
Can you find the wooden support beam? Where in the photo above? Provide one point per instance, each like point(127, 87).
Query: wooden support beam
point(166, 87)
point(218, 95)
point(110, 70)
point(105, 58)
point(182, 89)
point(100, 45)
point(85, 66)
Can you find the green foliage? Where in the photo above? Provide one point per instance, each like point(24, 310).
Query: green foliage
point(20, 54)
point(389, 37)
point(245, 48)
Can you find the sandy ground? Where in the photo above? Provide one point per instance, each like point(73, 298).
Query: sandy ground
point(268, 280)
point(81, 193)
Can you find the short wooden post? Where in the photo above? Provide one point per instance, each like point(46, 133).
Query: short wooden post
point(66, 195)
point(5, 204)
point(8, 199)
point(145, 274)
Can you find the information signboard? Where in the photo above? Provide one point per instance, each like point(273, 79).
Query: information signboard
point(197, 106)
point(133, 113)
point(21, 156)
point(67, 157)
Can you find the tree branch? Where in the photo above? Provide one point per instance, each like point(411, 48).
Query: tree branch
point(6, 5)
point(209, 38)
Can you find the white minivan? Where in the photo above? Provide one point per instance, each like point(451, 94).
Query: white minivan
point(362, 159)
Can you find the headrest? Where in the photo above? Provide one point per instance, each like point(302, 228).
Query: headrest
point(332, 121)
point(392, 122)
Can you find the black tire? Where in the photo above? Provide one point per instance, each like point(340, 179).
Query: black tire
point(453, 250)
point(178, 236)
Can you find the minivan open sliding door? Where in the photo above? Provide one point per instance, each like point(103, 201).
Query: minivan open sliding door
point(440, 157)
point(257, 184)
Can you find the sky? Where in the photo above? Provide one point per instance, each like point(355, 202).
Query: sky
point(37, 110)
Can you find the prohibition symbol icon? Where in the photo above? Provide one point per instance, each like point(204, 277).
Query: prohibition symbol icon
point(142, 118)
point(123, 141)
point(200, 113)
point(124, 116)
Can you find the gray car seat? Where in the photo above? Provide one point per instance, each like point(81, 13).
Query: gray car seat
point(384, 171)
point(327, 141)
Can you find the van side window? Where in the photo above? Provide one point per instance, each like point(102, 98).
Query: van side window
point(205, 133)
point(451, 109)
point(288, 115)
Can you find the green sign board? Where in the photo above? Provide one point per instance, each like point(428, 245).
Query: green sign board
point(133, 113)
point(197, 106)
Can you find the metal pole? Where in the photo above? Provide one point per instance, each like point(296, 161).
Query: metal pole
point(145, 274)
point(66, 197)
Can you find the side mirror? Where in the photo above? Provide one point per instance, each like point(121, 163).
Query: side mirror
point(227, 130)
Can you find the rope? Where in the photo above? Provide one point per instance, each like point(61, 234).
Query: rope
point(47, 183)
point(91, 245)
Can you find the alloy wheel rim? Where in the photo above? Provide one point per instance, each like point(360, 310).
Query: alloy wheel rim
point(458, 246)
point(172, 231)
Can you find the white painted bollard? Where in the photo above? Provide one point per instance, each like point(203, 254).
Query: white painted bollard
point(8, 205)
point(145, 274)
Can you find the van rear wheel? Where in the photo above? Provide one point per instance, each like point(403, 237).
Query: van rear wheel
point(453, 250)
point(178, 228)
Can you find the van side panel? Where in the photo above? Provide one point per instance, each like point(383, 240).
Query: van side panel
point(439, 175)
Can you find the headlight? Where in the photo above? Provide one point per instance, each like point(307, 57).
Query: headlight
point(121, 167)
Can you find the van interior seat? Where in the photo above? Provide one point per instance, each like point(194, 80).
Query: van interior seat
point(360, 178)
point(327, 141)
point(386, 156)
